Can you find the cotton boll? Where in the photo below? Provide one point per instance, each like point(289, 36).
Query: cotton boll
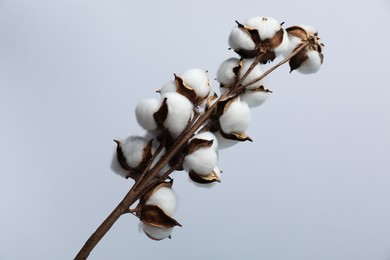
point(240, 39)
point(198, 80)
point(168, 87)
point(133, 150)
point(144, 113)
point(254, 98)
point(202, 161)
point(225, 73)
point(236, 118)
point(180, 112)
point(312, 64)
point(266, 26)
point(207, 136)
point(117, 168)
point(166, 199)
point(254, 74)
point(156, 233)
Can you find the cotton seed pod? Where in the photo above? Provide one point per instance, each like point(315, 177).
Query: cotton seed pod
point(255, 97)
point(240, 39)
point(197, 80)
point(227, 73)
point(234, 118)
point(174, 114)
point(155, 210)
point(267, 34)
point(206, 181)
point(155, 233)
point(308, 60)
point(144, 113)
point(201, 157)
point(253, 75)
point(165, 198)
point(133, 151)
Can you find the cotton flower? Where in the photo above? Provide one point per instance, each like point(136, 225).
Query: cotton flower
point(198, 80)
point(165, 198)
point(202, 161)
point(259, 35)
point(175, 113)
point(144, 113)
point(156, 209)
point(236, 117)
point(309, 59)
point(135, 150)
point(227, 72)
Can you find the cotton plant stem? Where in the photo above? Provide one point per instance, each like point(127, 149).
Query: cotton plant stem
point(295, 52)
point(148, 181)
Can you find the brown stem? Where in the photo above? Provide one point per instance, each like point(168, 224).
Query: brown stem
point(148, 180)
point(295, 52)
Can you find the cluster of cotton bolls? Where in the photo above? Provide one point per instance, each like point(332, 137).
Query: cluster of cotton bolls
point(188, 97)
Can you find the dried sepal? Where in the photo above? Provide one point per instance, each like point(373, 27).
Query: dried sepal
point(185, 90)
point(204, 179)
point(211, 100)
point(155, 216)
point(120, 157)
point(236, 136)
point(161, 115)
point(196, 144)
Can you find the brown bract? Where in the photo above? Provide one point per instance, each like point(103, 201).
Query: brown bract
point(152, 214)
point(222, 107)
point(134, 173)
point(204, 179)
point(265, 47)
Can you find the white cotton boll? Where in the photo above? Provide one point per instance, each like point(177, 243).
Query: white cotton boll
point(202, 161)
point(180, 111)
point(156, 233)
point(207, 136)
point(166, 199)
point(168, 87)
point(224, 143)
point(144, 113)
point(133, 150)
point(198, 80)
point(312, 64)
point(236, 118)
point(225, 73)
point(254, 74)
point(254, 98)
point(240, 39)
point(117, 168)
point(266, 26)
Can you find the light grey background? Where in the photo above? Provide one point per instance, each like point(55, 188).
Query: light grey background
point(313, 185)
